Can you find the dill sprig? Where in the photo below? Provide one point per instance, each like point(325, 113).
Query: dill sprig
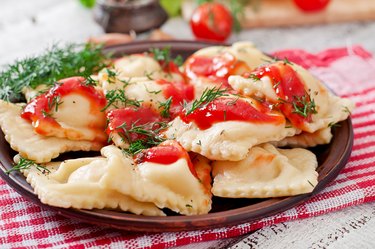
point(117, 96)
point(166, 106)
point(27, 164)
point(149, 132)
point(54, 103)
point(304, 105)
point(54, 64)
point(208, 95)
point(164, 56)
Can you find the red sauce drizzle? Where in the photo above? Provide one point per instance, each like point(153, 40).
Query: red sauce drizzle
point(288, 86)
point(125, 118)
point(165, 153)
point(231, 109)
point(179, 91)
point(217, 68)
point(38, 108)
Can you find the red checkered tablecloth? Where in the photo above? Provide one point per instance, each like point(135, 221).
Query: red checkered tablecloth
point(349, 71)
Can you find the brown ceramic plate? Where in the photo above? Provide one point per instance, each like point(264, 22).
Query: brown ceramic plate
point(331, 158)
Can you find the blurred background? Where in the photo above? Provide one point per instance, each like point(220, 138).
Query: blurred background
point(27, 27)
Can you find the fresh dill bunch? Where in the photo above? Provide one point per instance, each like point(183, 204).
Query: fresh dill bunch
point(27, 164)
point(208, 95)
point(57, 63)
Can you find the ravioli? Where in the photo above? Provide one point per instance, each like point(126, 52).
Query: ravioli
point(75, 184)
point(170, 186)
point(136, 91)
point(20, 135)
point(328, 108)
point(143, 65)
point(266, 172)
point(228, 139)
point(306, 139)
point(211, 66)
point(71, 109)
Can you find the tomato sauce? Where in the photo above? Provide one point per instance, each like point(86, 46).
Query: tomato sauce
point(38, 110)
point(290, 90)
point(165, 153)
point(231, 109)
point(179, 92)
point(217, 68)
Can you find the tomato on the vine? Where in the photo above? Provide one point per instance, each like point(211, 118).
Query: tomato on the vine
point(311, 5)
point(211, 21)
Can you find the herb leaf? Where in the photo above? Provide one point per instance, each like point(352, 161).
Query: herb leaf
point(55, 64)
point(166, 107)
point(304, 105)
point(117, 96)
point(149, 133)
point(27, 164)
point(164, 56)
point(208, 95)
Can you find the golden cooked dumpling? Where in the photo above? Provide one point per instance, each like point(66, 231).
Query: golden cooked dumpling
point(144, 65)
point(75, 184)
point(226, 128)
point(302, 98)
point(71, 109)
point(168, 180)
point(211, 66)
point(306, 139)
point(266, 172)
point(21, 136)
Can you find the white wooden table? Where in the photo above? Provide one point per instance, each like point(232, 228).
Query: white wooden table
point(27, 27)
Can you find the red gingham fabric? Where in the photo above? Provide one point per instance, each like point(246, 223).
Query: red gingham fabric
point(350, 72)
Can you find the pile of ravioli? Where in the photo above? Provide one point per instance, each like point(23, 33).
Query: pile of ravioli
point(231, 158)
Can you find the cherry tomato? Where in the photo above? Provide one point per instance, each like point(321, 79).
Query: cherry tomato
point(311, 5)
point(211, 21)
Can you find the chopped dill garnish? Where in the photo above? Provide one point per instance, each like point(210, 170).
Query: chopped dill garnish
point(117, 96)
point(286, 61)
point(164, 56)
point(27, 164)
point(253, 77)
point(89, 81)
point(276, 85)
point(149, 133)
point(149, 75)
point(165, 106)
point(304, 105)
point(232, 102)
point(346, 109)
point(208, 95)
point(153, 92)
point(54, 64)
point(135, 147)
point(54, 103)
point(46, 114)
point(311, 184)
